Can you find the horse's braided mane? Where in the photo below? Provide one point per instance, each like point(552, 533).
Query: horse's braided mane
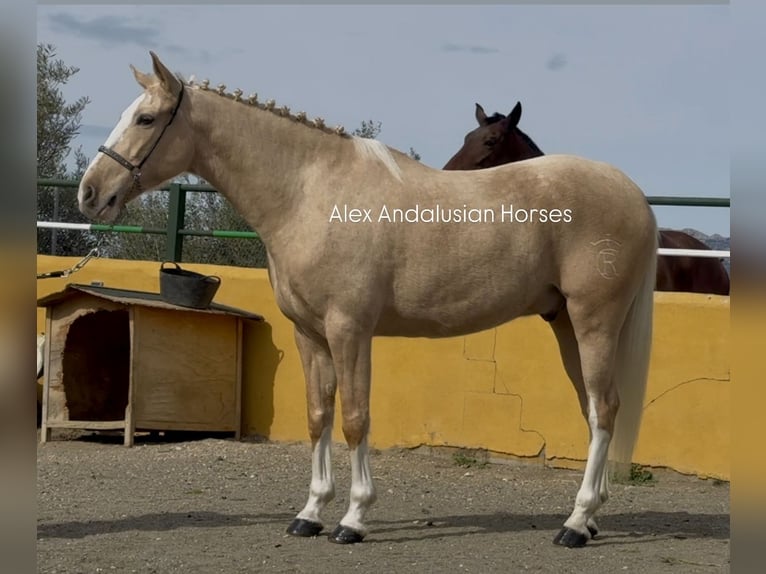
point(268, 105)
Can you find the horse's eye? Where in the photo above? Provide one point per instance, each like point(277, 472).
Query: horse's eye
point(144, 120)
point(490, 142)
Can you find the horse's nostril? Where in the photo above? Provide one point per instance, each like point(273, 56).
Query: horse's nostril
point(89, 194)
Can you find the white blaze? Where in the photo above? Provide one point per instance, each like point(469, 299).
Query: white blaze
point(125, 120)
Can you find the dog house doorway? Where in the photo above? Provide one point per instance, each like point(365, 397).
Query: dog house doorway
point(96, 366)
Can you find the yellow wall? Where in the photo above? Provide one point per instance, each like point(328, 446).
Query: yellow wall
point(503, 390)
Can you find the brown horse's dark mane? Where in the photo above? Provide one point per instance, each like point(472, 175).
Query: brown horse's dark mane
point(533, 146)
point(498, 117)
point(494, 118)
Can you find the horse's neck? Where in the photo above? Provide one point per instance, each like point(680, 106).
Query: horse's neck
point(254, 157)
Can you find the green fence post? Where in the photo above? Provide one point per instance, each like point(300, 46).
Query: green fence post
point(176, 214)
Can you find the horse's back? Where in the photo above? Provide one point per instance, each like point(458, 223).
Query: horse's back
point(447, 277)
point(689, 274)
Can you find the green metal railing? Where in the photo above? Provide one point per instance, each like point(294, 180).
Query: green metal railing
point(175, 230)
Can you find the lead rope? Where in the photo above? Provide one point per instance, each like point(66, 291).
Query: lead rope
point(93, 253)
point(74, 268)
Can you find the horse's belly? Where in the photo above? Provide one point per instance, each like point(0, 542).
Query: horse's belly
point(431, 328)
point(466, 315)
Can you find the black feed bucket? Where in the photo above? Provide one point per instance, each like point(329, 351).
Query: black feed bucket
point(187, 288)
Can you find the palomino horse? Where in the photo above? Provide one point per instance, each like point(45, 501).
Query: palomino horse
point(364, 241)
point(498, 140)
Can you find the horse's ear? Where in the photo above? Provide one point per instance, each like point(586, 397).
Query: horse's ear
point(481, 117)
point(144, 80)
point(514, 116)
point(167, 79)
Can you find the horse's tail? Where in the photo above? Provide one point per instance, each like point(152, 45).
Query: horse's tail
point(632, 368)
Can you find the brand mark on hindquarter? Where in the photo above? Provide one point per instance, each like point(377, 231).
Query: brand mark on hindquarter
point(606, 258)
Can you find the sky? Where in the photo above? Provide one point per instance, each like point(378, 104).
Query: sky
point(644, 88)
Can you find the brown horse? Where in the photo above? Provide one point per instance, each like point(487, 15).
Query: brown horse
point(364, 241)
point(498, 140)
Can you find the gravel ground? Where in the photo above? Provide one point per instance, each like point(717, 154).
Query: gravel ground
point(222, 506)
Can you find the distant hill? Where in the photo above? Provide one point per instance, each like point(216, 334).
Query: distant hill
point(714, 241)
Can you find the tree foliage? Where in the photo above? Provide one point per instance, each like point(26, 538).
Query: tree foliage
point(368, 129)
point(371, 129)
point(58, 122)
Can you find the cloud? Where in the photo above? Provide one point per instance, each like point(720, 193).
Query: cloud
point(470, 48)
point(556, 62)
point(113, 30)
point(107, 30)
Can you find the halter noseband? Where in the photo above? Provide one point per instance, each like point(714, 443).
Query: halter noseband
point(136, 169)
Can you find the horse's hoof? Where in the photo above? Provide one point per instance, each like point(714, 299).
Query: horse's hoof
point(570, 538)
point(304, 528)
point(345, 535)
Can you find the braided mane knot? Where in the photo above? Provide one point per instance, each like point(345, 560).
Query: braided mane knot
point(269, 105)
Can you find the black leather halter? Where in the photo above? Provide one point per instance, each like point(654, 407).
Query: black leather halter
point(135, 169)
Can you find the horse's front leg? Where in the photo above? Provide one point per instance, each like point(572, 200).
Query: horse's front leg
point(351, 356)
point(320, 398)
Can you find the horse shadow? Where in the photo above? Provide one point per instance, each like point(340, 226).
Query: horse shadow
point(620, 528)
point(156, 522)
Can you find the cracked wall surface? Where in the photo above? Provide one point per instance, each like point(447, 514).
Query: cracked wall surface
point(503, 390)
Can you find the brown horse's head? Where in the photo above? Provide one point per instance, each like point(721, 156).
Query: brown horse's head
point(496, 141)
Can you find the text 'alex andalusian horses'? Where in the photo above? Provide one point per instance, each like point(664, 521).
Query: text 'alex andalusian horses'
point(363, 241)
point(498, 140)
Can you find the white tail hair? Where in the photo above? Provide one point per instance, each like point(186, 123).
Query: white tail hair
point(632, 368)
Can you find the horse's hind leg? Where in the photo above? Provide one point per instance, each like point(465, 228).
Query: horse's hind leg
point(597, 337)
point(320, 397)
point(570, 357)
point(351, 355)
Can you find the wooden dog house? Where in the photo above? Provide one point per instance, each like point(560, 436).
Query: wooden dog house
point(122, 359)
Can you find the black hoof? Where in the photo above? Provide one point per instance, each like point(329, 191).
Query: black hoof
point(345, 535)
point(304, 528)
point(570, 538)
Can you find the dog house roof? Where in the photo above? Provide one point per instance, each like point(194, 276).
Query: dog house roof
point(130, 297)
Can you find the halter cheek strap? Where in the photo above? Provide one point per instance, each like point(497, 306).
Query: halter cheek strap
point(136, 169)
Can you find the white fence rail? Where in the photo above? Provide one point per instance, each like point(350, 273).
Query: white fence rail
point(715, 253)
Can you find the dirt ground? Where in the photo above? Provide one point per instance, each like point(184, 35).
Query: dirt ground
point(222, 506)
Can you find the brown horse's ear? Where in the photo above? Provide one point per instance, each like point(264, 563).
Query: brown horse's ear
point(481, 117)
point(144, 80)
point(167, 79)
point(514, 116)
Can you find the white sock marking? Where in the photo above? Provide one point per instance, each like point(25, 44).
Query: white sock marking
point(362, 489)
point(322, 489)
point(589, 496)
